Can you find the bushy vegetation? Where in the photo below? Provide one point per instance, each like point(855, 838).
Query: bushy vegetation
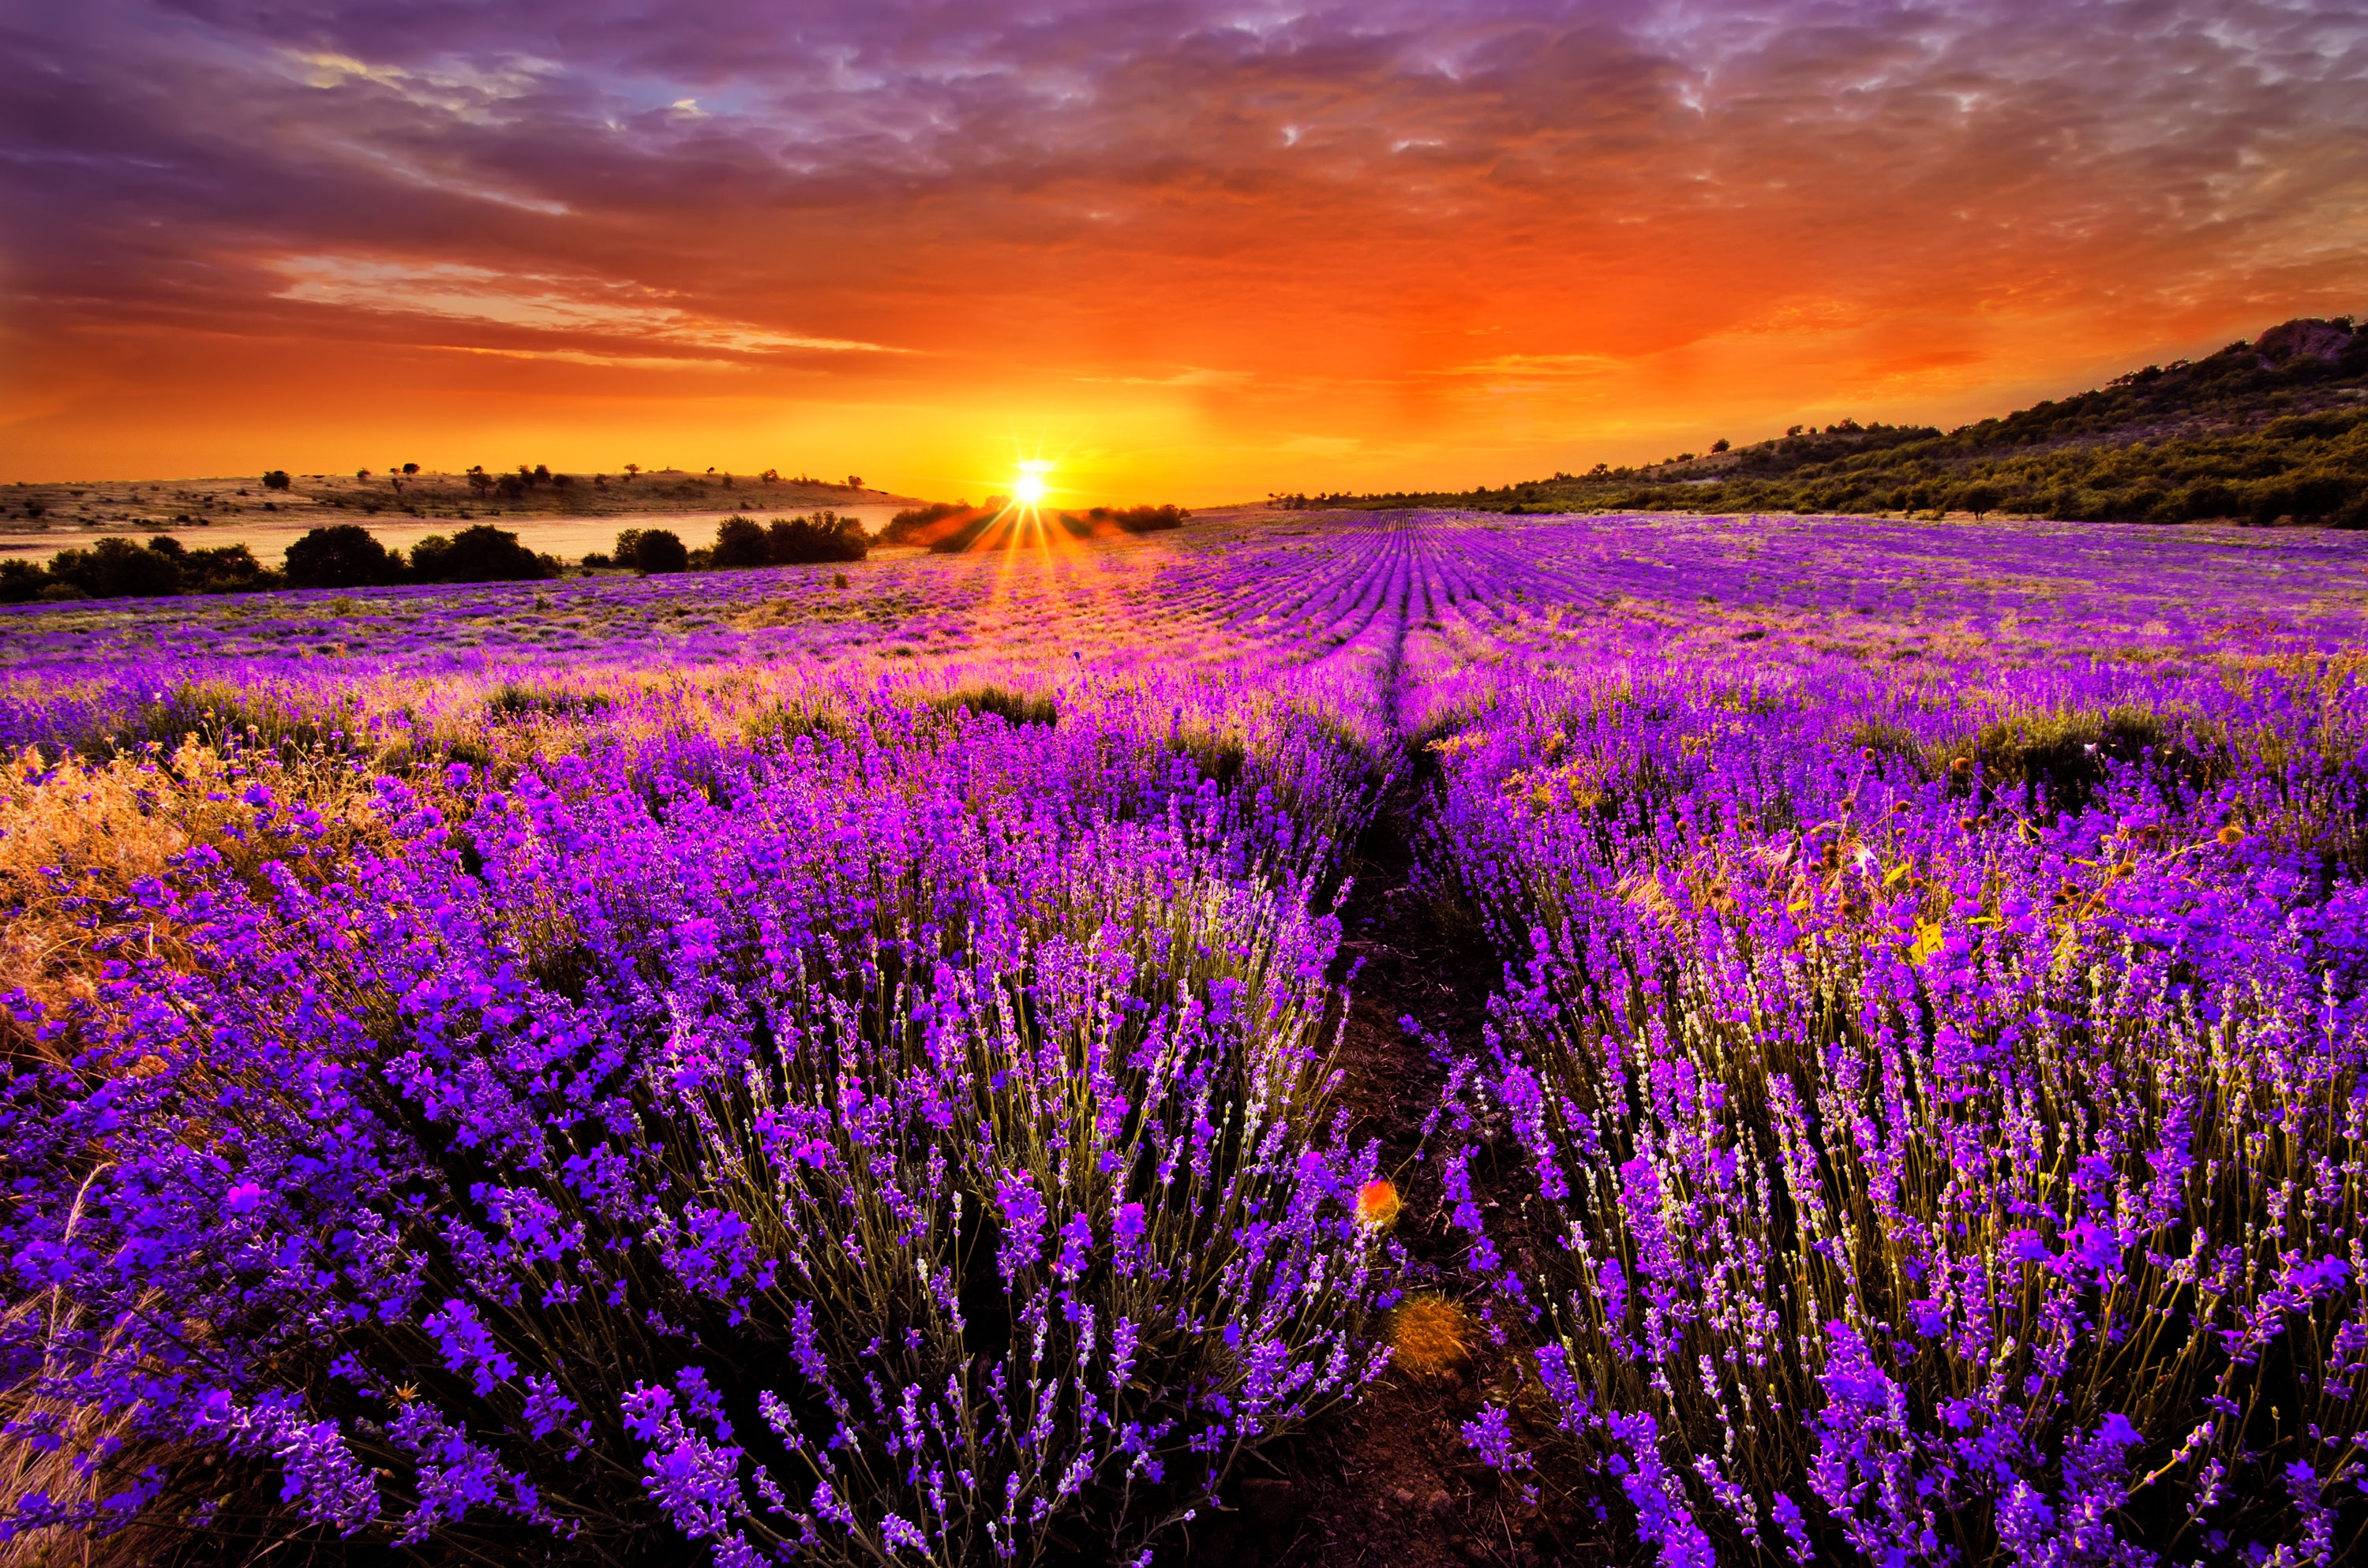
point(116, 568)
point(916, 525)
point(479, 555)
point(741, 543)
point(786, 541)
point(343, 555)
point(2270, 431)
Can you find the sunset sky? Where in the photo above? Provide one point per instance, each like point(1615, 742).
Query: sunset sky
point(1195, 252)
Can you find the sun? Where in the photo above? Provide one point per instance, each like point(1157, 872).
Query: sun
point(1029, 488)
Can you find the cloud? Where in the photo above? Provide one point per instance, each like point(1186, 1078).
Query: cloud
point(1533, 367)
point(462, 90)
point(579, 357)
point(539, 302)
point(1191, 376)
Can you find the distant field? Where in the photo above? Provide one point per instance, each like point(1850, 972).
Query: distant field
point(1705, 1038)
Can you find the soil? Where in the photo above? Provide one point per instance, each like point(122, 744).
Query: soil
point(1389, 1480)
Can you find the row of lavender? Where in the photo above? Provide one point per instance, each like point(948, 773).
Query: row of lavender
point(903, 1136)
point(1936, 1109)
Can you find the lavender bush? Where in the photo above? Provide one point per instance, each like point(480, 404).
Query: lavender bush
point(902, 1144)
point(1929, 1164)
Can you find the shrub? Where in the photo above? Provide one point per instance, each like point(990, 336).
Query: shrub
point(655, 551)
point(343, 555)
point(116, 568)
point(480, 554)
point(1886, 1145)
point(920, 524)
point(739, 542)
point(1140, 519)
point(21, 581)
point(825, 536)
point(820, 1184)
point(225, 569)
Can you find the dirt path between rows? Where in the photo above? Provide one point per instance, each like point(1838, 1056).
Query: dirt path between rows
point(1389, 1481)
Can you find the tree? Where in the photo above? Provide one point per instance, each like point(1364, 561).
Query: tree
point(224, 568)
point(826, 536)
point(855, 481)
point(1979, 499)
point(409, 469)
point(116, 568)
point(361, 473)
point(276, 479)
point(658, 551)
point(739, 542)
point(631, 469)
point(479, 480)
point(480, 554)
point(20, 581)
point(1719, 444)
point(343, 555)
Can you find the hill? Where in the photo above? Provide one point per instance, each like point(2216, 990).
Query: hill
point(2273, 430)
point(320, 499)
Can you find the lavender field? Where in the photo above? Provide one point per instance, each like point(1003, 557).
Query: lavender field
point(859, 1065)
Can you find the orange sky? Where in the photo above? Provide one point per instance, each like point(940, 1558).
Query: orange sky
point(1196, 252)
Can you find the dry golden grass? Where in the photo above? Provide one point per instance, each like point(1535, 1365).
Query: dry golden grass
point(71, 834)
